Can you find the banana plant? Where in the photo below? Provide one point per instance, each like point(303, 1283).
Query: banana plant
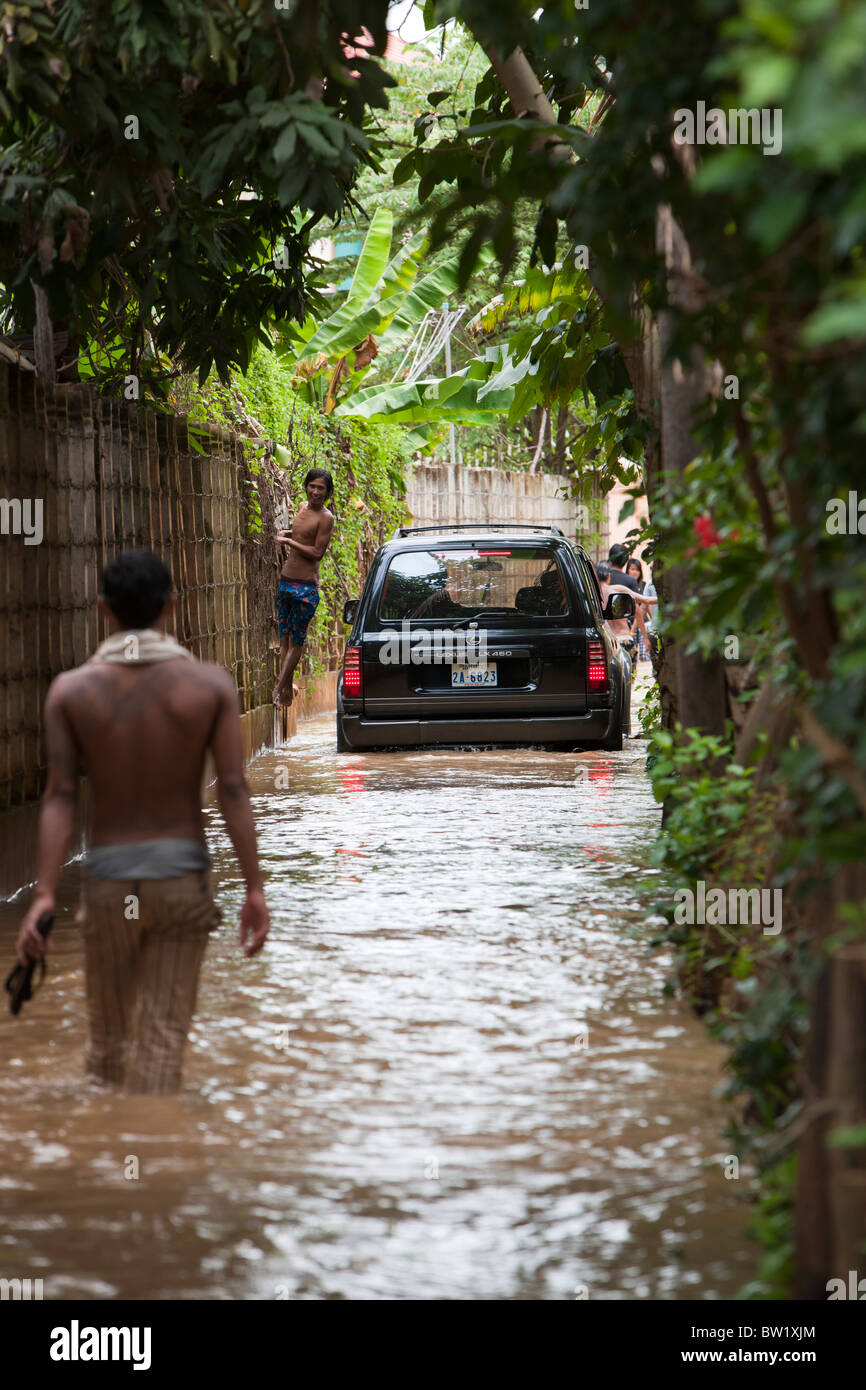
point(451, 400)
point(386, 301)
point(500, 381)
point(557, 351)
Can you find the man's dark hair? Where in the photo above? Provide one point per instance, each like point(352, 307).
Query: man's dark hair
point(136, 585)
point(315, 473)
point(617, 555)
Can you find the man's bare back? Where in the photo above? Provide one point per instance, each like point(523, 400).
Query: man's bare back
point(140, 733)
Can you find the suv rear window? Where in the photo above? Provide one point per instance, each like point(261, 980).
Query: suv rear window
point(455, 583)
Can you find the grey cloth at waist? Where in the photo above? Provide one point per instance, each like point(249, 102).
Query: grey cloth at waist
point(147, 859)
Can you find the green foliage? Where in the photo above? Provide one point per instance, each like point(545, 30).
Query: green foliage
point(650, 719)
point(436, 91)
point(853, 1137)
point(163, 166)
point(386, 301)
point(365, 461)
point(751, 989)
point(702, 809)
point(772, 1227)
point(373, 259)
point(453, 399)
point(255, 522)
point(434, 82)
point(558, 349)
point(555, 349)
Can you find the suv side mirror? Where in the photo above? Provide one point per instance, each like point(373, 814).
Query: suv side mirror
point(350, 608)
point(619, 606)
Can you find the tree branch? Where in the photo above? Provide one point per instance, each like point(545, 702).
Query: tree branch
point(834, 752)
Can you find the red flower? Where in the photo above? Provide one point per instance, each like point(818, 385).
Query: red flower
point(705, 532)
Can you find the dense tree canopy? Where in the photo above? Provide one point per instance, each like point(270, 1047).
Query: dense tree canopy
point(164, 164)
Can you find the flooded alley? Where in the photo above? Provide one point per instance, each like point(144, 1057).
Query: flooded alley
point(451, 1073)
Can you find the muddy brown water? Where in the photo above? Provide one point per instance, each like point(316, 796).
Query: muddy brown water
point(452, 1072)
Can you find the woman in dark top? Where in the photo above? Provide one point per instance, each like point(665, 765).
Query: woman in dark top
point(635, 569)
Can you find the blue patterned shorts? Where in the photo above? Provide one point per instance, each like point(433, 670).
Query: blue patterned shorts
point(297, 601)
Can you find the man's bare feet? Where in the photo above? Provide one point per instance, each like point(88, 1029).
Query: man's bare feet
point(280, 699)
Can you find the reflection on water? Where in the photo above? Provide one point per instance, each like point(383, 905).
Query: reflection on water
point(450, 1074)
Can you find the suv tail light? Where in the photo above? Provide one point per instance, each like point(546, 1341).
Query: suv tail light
point(352, 671)
point(596, 666)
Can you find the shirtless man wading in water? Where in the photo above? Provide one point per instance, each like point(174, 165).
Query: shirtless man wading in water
point(138, 719)
point(298, 592)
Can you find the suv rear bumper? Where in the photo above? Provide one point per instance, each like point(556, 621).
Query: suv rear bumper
point(592, 727)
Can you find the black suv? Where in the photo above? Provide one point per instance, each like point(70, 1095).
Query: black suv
point(482, 634)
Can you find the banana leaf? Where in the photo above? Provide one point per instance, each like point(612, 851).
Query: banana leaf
point(373, 258)
point(540, 289)
point(430, 293)
point(351, 323)
point(450, 401)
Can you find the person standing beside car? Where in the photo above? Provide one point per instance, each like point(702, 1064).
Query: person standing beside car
point(618, 579)
point(617, 627)
point(634, 568)
point(617, 559)
point(648, 591)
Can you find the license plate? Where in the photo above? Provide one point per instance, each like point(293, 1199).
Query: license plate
point(462, 676)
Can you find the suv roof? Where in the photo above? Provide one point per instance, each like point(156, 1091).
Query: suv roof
point(490, 530)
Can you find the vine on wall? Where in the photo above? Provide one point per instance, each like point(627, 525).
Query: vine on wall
point(286, 437)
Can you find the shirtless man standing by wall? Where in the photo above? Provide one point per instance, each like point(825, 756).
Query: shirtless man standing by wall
point(138, 719)
point(298, 593)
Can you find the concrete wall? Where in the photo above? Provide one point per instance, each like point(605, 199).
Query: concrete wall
point(442, 492)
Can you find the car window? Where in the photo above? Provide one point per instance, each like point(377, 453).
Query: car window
point(592, 580)
point(451, 583)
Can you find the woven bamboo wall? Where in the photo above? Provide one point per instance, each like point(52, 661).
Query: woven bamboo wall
point(112, 476)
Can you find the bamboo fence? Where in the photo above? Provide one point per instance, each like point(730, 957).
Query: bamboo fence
point(113, 476)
